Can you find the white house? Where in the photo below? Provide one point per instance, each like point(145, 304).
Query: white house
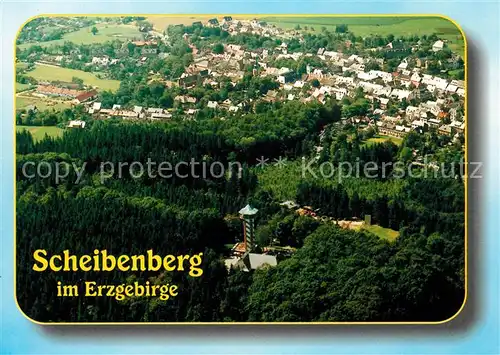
point(371, 75)
point(401, 94)
point(100, 61)
point(76, 124)
point(299, 84)
point(438, 46)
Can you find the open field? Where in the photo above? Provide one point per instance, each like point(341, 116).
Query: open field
point(107, 32)
point(381, 232)
point(22, 87)
point(40, 103)
point(38, 132)
point(21, 65)
point(382, 139)
point(366, 26)
point(52, 73)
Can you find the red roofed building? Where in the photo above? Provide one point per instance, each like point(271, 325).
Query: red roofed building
point(89, 95)
point(51, 90)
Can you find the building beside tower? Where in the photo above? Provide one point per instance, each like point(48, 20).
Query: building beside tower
point(242, 256)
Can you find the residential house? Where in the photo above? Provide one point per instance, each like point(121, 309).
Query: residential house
point(101, 61)
point(251, 261)
point(402, 94)
point(285, 75)
point(188, 81)
point(299, 84)
point(412, 112)
point(393, 130)
point(271, 96)
point(438, 46)
point(96, 106)
point(212, 104)
point(444, 130)
point(183, 99)
point(85, 96)
point(160, 116)
point(76, 124)
point(213, 22)
point(458, 126)
point(403, 65)
point(383, 102)
point(433, 122)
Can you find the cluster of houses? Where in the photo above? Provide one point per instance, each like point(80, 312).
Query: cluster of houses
point(250, 26)
point(136, 113)
point(407, 83)
point(157, 113)
point(423, 100)
point(419, 118)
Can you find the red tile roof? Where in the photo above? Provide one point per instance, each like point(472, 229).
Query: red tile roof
point(86, 95)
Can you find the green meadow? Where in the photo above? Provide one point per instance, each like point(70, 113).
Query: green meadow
point(52, 73)
point(38, 132)
point(22, 87)
point(106, 32)
point(41, 103)
point(366, 26)
point(382, 139)
point(381, 232)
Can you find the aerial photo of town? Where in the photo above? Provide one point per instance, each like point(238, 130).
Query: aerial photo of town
point(316, 162)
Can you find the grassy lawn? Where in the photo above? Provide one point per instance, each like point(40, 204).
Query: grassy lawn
point(107, 32)
point(22, 87)
point(21, 65)
point(40, 103)
point(454, 73)
point(52, 73)
point(38, 132)
point(382, 139)
point(366, 26)
point(381, 232)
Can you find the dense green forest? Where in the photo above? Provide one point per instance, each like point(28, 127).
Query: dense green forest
point(334, 275)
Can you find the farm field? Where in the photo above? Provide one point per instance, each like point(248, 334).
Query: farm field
point(107, 32)
point(366, 26)
point(50, 73)
point(42, 104)
point(38, 132)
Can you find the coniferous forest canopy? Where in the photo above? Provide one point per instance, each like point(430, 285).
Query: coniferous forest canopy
point(334, 274)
